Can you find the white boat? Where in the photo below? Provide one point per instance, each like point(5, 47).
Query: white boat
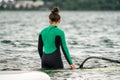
point(23, 75)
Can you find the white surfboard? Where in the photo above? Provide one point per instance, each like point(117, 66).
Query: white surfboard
point(23, 75)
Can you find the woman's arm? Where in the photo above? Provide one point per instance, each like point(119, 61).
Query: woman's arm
point(66, 52)
point(65, 49)
point(40, 46)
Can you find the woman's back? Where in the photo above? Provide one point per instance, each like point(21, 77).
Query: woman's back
point(49, 35)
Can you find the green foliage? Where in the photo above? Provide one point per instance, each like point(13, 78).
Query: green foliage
point(86, 4)
point(73, 5)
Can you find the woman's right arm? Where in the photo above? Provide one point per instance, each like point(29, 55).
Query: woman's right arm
point(40, 46)
point(66, 51)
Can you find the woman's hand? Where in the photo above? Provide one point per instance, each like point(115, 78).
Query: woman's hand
point(72, 66)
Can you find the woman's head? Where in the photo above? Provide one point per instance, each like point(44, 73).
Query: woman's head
point(54, 15)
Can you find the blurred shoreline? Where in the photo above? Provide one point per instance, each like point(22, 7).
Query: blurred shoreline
point(45, 10)
point(73, 5)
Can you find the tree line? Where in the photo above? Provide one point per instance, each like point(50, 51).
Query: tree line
point(84, 4)
point(69, 5)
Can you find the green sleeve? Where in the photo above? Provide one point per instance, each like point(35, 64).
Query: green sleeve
point(65, 48)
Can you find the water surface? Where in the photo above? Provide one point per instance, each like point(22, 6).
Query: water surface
point(88, 33)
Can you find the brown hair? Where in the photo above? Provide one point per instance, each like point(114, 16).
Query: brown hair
point(54, 15)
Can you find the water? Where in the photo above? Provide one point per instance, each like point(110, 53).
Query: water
point(87, 34)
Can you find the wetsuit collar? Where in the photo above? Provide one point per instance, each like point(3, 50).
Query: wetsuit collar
point(53, 25)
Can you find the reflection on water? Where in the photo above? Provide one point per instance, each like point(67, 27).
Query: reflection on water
point(87, 34)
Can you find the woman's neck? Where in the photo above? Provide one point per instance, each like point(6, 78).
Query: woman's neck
point(55, 24)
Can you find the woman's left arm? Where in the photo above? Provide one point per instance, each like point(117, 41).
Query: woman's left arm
point(40, 46)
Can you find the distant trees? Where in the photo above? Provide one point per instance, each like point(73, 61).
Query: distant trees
point(67, 4)
point(85, 4)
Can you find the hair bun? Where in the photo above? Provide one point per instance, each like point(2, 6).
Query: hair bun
point(55, 10)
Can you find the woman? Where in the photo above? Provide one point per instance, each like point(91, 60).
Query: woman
point(50, 40)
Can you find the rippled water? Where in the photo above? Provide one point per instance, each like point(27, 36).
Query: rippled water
point(87, 34)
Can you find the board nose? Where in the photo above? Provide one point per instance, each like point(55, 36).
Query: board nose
point(23, 75)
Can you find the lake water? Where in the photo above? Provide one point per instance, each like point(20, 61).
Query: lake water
point(88, 33)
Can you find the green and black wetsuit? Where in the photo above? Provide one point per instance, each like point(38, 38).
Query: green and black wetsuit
point(50, 40)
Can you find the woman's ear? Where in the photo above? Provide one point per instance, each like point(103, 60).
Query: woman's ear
point(50, 21)
point(59, 21)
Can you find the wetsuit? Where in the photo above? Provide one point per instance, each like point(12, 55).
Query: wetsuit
point(50, 40)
